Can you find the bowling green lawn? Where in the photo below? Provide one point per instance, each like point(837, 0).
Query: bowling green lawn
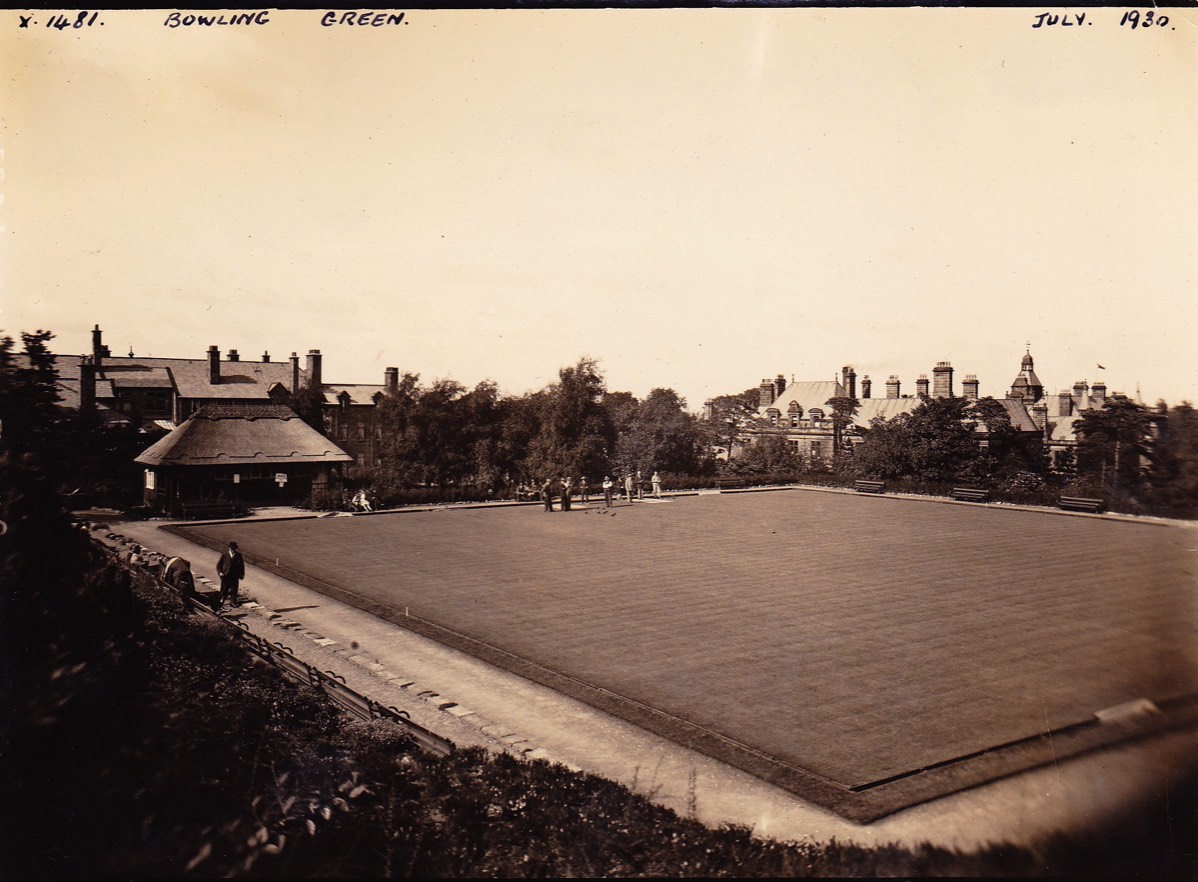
point(851, 638)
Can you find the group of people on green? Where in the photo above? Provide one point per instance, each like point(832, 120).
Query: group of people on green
point(564, 490)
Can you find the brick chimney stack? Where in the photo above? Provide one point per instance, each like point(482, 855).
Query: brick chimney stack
point(266, 358)
point(892, 386)
point(921, 386)
point(87, 385)
point(214, 365)
point(294, 372)
point(1064, 403)
point(97, 348)
point(766, 393)
point(942, 383)
point(866, 386)
point(780, 386)
point(849, 381)
point(969, 388)
point(314, 360)
point(233, 356)
point(391, 380)
point(1040, 415)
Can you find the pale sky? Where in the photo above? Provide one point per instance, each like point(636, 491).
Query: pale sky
point(696, 198)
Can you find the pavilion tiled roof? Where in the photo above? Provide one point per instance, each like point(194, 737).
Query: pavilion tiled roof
point(243, 434)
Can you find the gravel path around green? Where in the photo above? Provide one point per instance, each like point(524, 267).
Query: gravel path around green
point(829, 641)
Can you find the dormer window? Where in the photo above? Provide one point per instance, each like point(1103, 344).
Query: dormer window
point(344, 399)
point(773, 414)
point(795, 412)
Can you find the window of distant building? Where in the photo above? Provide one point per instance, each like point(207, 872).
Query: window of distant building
point(817, 450)
point(794, 446)
point(343, 432)
point(158, 401)
point(773, 413)
point(361, 427)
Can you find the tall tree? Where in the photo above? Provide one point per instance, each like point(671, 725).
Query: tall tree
point(577, 435)
point(933, 442)
point(661, 436)
point(729, 416)
point(1009, 452)
point(28, 394)
point(1173, 474)
point(308, 402)
point(844, 410)
point(1113, 444)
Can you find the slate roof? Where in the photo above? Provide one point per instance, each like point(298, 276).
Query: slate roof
point(188, 376)
point(359, 393)
point(243, 434)
point(886, 408)
point(808, 394)
point(1061, 427)
point(816, 394)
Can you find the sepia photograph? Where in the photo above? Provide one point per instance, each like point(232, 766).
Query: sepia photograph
point(851, 349)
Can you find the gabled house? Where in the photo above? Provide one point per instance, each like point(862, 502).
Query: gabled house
point(799, 411)
point(163, 392)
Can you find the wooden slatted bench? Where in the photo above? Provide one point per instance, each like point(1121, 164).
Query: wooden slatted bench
point(1080, 503)
point(970, 494)
point(198, 511)
point(869, 486)
point(730, 483)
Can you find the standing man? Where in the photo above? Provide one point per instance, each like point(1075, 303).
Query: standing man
point(640, 485)
point(231, 569)
point(628, 485)
point(584, 490)
point(566, 493)
point(547, 494)
point(656, 479)
point(607, 485)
